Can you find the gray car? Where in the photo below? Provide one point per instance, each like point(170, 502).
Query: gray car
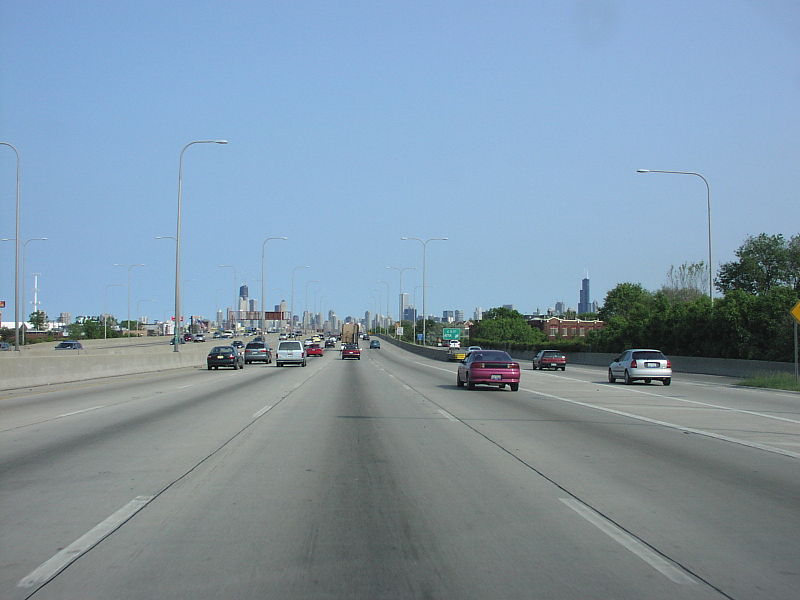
point(69, 345)
point(643, 364)
point(257, 352)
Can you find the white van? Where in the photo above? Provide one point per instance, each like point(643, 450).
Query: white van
point(290, 352)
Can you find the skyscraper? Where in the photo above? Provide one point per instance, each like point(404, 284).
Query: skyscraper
point(584, 303)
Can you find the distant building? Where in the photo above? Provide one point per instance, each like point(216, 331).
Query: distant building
point(584, 304)
point(459, 316)
point(410, 314)
point(556, 327)
point(448, 316)
point(561, 308)
point(509, 306)
point(477, 314)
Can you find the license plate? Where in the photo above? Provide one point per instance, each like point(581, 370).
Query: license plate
point(497, 376)
point(220, 356)
point(652, 365)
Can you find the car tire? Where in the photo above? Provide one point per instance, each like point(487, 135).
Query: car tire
point(627, 378)
point(470, 385)
point(611, 378)
point(209, 367)
point(304, 363)
point(563, 368)
point(533, 367)
point(514, 387)
point(666, 380)
point(459, 383)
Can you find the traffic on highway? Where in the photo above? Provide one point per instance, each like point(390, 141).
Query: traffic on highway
point(384, 478)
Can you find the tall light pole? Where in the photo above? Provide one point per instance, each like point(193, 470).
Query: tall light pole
point(263, 285)
point(386, 283)
point(105, 310)
point(424, 276)
point(305, 302)
point(708, 200)
point(16, 255)
point(24, 245)
point(130, 267)
point(232, 320)
point(400, 295)
point(178, 239)
point(291, 306)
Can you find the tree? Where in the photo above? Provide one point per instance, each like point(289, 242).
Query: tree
point(38, 319)
point(504, 327)
point(765, 261)
point(686, 283)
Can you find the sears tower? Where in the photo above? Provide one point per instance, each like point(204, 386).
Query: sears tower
point(584, 304)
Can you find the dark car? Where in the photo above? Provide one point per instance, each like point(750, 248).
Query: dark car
point(225, 356)
point(550, 359)
point(237, 344)
point(375, 344)
point(69, 345)
point(257, 352)
point(5, 346)
point(351, 351)
point(488, 367)
point(180, 341)
point(330, 343)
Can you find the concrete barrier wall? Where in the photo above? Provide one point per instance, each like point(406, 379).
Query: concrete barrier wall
point(728, 367)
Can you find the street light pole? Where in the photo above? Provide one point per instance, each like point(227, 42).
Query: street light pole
point(424, 275)
point(105, 310)
point(291, 307)
point(24, 246)
point(263, 285)
point(16, 255)
point(400, 295)
point(178, 239)
point(708, 200)
point(130, 267)
point(231, 320)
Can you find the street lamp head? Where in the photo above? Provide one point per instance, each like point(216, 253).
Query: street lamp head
point(220, 141)
point(642, 170)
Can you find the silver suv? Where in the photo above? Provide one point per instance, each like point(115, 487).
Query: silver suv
point(643, 364)
point(290, 352)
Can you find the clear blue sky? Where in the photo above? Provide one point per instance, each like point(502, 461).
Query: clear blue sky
point(513, 128)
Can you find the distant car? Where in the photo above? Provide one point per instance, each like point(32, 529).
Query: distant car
point(550, 359)
point(307, 342)
point(375, 344)
point(69, 345)
point(314, 350)
point(644, 364)
point(290, 352)
point(258, 338)
point(188, 337)
point(180, 340)
point(454, 344)
point(283, 336)
point(225, 356)
point(488, 367)
point(351, 351)
point(237, 344)
point(216, 335)
point(4, 346)
point(330, 343)
point(473, 348)
point(199, 337)
point(257, 352)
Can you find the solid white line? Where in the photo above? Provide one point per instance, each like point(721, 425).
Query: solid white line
point(263, 411)
point(652, 558)
point(672, 425)
point(447, 415)
point(83, 544)
point(77, 412)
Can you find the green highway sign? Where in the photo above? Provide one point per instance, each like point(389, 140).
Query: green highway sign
point(451, 333)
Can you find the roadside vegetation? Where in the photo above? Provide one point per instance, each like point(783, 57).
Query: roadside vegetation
point(774, 381)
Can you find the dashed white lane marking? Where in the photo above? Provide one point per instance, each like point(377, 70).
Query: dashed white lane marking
point(263, 411)
point(78, 412)
point(183, 387)
point(647, 554)
point(703, 432)
point(447, 415)
point(61, 560)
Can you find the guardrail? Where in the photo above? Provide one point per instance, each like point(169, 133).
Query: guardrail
point(728, 367)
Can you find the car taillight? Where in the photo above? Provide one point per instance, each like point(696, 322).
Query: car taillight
point(633, 364)
point(669, 364)
point(513, 366)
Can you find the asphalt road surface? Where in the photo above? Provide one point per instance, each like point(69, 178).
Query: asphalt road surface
point(380, 478)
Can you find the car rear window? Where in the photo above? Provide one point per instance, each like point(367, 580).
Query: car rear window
point(651, 354)
point(491, 356)
point(549, 353)
point(221, 349)
point(290, 346)
point(254, 345)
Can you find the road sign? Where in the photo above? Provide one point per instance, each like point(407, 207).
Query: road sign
point(451, 333)
point(399, 331)
point(419, 337)
point(795, 312)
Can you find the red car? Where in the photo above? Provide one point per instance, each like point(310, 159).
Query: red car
point(314, 350)
point(351, 351)
point(488, 367)
point(550, 359)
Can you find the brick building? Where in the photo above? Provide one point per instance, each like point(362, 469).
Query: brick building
point(556, 327)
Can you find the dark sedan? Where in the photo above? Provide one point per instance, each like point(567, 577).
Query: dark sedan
point(225, 356)
point(488, 367)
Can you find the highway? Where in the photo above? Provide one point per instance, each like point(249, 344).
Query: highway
point(380, 478)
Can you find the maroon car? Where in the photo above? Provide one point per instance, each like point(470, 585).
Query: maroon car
point(550, 359)
point(488, 367)
point(351, 351)
point(314, 350)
